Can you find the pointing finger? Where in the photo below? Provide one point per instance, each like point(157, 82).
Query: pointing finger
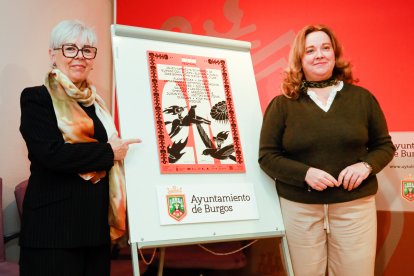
point(132, 141)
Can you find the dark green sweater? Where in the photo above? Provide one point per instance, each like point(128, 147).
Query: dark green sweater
point(297, 135)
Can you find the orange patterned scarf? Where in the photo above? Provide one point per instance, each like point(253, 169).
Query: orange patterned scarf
point(77, 127)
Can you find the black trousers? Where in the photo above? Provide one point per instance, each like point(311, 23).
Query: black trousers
point(84, 261)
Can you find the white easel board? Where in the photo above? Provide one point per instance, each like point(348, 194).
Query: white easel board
point(142, 165)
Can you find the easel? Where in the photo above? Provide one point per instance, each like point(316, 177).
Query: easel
point(130, 47)
point(283, 247)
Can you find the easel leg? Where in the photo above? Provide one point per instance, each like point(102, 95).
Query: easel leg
point(286, 257)
point(135, 263)
point(161, 263)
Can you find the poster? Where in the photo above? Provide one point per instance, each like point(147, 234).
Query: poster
point(195, 120)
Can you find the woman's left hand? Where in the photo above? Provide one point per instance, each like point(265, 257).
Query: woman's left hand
point(352, 176)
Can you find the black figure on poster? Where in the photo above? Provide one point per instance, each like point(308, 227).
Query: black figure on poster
point(187, 120)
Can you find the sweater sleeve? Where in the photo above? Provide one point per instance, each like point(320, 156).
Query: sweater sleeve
point(45, 142)
point(272, 159)
point(380, 147)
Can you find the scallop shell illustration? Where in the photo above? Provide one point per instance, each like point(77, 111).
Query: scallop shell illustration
point(219, 112)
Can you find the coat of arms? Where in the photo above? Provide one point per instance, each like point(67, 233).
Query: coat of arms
point(177, 208)
point(407, 189)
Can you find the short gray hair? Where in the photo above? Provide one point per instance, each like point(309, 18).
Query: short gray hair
point(69, 30)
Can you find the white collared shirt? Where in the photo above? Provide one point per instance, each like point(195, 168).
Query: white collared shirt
point(331, 97)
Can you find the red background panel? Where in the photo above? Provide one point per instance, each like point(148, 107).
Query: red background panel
point(376, 36)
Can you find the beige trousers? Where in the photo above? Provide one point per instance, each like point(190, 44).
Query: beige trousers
point(334, 239)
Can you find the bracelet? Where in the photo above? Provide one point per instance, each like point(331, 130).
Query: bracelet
point(368, 166)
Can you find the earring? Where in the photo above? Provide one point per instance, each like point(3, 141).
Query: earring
point(54, 65)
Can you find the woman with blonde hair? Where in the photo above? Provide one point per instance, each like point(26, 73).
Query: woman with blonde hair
point(323, 141)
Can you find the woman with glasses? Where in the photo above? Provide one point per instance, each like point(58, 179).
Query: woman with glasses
point(75, 201)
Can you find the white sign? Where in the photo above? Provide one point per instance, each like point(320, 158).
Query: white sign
point(397, 178)
point(193, 203)
point(146, 205)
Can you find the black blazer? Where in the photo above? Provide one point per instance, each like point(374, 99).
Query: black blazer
point(60, 209)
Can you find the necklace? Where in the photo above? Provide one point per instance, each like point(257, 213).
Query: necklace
point(317, 84)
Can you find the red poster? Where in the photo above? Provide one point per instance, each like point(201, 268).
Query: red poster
point(195, 120)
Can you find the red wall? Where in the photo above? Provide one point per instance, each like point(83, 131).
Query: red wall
point(377, 38)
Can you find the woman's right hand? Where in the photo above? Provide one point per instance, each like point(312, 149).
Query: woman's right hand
point(120, 146)
point(320, 180)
